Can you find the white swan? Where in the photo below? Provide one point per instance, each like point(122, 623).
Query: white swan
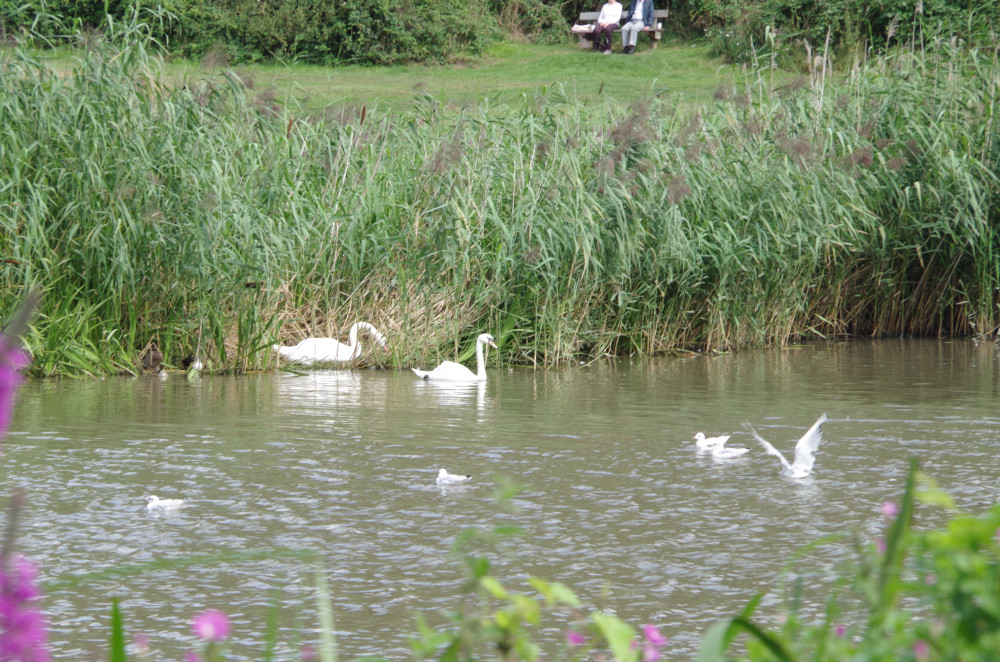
point(456, 372)
point(155, 503)
point(329, 350)
point(444, 478)
point(721, 452)
point(708, 443)
point(804, 450)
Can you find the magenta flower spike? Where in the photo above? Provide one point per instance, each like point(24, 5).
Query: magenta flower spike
point(22, 626)
point(211, 625)
point(653, 635)
point(651, 651)
point(574, 638)
point(889, 509)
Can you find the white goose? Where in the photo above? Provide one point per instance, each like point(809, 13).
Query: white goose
point(156, 504)
point(708, 443)
point(445, 479)
point(330, 350)
point(804, 450)
point(456, 372)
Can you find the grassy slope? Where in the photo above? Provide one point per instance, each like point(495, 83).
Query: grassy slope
point(683, 71)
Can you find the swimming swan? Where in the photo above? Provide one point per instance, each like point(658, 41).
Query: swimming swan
point(456, 372)
point(804, 450)
point(329, 350)
point(708, 443)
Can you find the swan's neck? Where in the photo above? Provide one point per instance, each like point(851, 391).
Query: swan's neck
point(480, 362)
point(352, 336)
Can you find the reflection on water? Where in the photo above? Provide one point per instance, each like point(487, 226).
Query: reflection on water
point(616, 501)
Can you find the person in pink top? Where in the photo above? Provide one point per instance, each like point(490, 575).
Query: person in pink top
point(607, 22)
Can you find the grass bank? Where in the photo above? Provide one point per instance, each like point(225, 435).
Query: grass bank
point(682, 71)
point(567, 221)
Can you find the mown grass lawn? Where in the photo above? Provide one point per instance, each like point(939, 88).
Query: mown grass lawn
point(682, 71)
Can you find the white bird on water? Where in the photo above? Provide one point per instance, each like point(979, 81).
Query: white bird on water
point(721, 452)
point(330, 350)
point(708, 443)
point(805, 450)
point(456, 372)
point(444, 478)
point(156, 504)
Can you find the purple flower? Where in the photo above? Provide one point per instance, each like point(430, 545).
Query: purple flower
point(653, 635)
point(889, 509)
point(840, 630)
point(22, 626)
point(880, 546)
point(211, 625)
point(12, 361)
point(191, 656)
point(921, 649)
point(651, 652)
point(574, 638)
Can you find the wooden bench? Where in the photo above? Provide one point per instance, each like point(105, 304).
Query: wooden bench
point(588, 19)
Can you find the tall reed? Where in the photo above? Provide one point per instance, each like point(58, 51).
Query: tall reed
point(188, 215)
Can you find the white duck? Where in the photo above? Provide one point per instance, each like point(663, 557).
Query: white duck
point(805, 450)
point(330, 350)
point(721, 452)
point(156, 504)
point(444, 478)
point(456, 372)
point(708, 443)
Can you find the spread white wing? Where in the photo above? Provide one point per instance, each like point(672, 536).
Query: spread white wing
point(806, 447)
point(771, 450)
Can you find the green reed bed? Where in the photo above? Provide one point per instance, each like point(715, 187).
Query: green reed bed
point(212, 221)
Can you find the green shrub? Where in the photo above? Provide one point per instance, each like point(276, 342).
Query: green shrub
point(911, 595)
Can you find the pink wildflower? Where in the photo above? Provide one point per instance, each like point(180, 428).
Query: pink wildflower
point(211, 625)
point(574, 638)
point(921, 649)
point(22, 626)
point(651, 652)
point(889, 509)
point(840, 630)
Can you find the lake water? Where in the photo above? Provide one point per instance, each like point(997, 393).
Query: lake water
point(615, 500)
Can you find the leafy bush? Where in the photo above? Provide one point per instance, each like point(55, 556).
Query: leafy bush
point(733, 25)
point(912, 595)
point(374, 31)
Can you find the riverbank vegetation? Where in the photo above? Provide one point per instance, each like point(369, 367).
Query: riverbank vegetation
point(212, 222)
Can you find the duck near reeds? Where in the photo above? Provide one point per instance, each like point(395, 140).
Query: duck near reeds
point(805, 450)
point(312, 351)
point(152, 358)
point(456, 372)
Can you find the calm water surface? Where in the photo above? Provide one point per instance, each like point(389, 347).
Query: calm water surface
point(616, 502)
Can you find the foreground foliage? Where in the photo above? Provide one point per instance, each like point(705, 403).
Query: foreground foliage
point(213, 222)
